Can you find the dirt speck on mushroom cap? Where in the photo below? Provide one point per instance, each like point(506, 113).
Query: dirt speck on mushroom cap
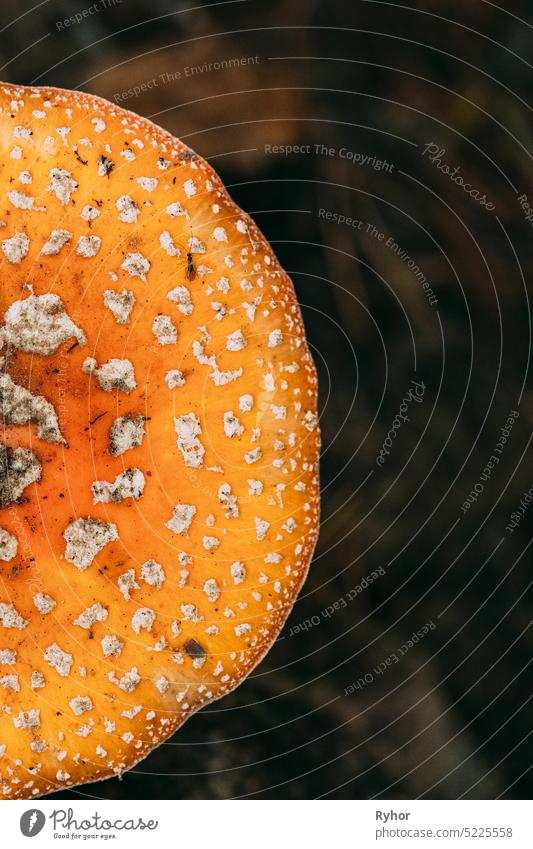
point(153, 323)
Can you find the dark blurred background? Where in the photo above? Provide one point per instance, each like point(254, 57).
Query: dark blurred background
point(390, 105)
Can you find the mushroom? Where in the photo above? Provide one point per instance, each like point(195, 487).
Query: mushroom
point(159, 464)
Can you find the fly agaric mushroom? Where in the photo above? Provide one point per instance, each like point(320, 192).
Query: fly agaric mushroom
point(159, 461)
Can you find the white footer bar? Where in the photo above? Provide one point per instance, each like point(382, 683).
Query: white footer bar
point(267, 824)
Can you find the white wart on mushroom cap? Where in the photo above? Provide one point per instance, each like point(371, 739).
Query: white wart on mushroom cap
point(159, 477)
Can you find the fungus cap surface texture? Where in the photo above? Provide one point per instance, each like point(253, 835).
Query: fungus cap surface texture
point(159, 461)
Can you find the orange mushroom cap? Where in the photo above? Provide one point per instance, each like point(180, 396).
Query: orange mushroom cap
point(159, 495)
